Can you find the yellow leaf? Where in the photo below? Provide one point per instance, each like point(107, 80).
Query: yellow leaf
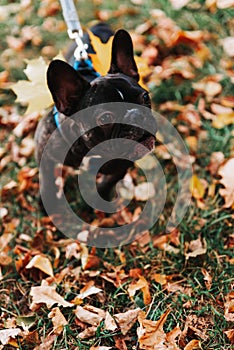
point(222, 120)
point(102, 58)
point(197, 188)
point(34, 92)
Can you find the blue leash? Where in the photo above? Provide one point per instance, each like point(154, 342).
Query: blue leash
point(77, 66)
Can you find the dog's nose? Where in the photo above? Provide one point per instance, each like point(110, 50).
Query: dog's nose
point(141, 118)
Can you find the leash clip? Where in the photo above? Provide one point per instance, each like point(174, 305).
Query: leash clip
point(80, 52)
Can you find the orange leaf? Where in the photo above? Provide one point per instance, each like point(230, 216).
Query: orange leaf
point(151, 335)
point(144, 286)
point(102, 58)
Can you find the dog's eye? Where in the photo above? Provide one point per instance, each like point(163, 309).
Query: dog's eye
point(146, 98)
point(105, 118)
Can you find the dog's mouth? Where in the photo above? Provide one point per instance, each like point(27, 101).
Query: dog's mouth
point(144, 146)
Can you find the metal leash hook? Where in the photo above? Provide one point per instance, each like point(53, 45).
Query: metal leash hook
point(75, 31)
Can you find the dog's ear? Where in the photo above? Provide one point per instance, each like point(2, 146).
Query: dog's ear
point(66, 85)
point(122, 60)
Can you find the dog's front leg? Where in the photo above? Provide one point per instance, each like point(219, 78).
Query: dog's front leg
point(112, 172)
point(48, 189)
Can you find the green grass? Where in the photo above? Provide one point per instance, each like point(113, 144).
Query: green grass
point(213, 223)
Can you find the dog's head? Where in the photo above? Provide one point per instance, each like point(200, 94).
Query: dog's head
point(72, 93)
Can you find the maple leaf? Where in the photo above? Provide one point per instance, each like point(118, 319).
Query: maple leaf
point(101, 59)
point(34, 92)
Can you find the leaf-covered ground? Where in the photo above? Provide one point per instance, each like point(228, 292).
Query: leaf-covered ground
point(166, 290)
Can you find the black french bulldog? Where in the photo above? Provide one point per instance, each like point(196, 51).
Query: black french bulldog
point(71, 93)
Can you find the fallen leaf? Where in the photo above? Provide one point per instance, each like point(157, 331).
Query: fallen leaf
point(58, 320)
point(142, 285)
point(178, 4)
point(88, 290)
point(7, 334)
point(47, 295)
point(224, 4)
point(230, 335)
point(196, 247)
point(216, 159)
point(144, 191)
point(228, 46)
point(221, 120)
point(101, 348)
point(42, 263)
point(126, 320)
point(193, 345)
point(197, 187)
point(209, 88)
point(151, 335)
point(34, 92)
point(226, 172)
point(229, 307)
point(89, 332)
point(110, 324)
point(88, 317)
point(47, 342)
point(207, 278)
point(3, 212)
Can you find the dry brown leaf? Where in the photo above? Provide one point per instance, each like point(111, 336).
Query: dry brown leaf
point(47, 295)
point(216, 159)
point(101, 348)
point(160, 278)
point(230, 335)
point(226, 172)
point(58, 320)
point(89, 289)
point(196, 247)
point(126, 320)
point(178, 4)
point(151, 335)
point(110, 324)
point(88, 317)
point(142, 285)
point(42, 263)
point(224, 4)
point(207, 278)
point(193, 345)
point(144, 191)
point(89, 332)
point(229, 307)
point(47, 343)
point(228, 46)
point(7, 334)
point(209, 88)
